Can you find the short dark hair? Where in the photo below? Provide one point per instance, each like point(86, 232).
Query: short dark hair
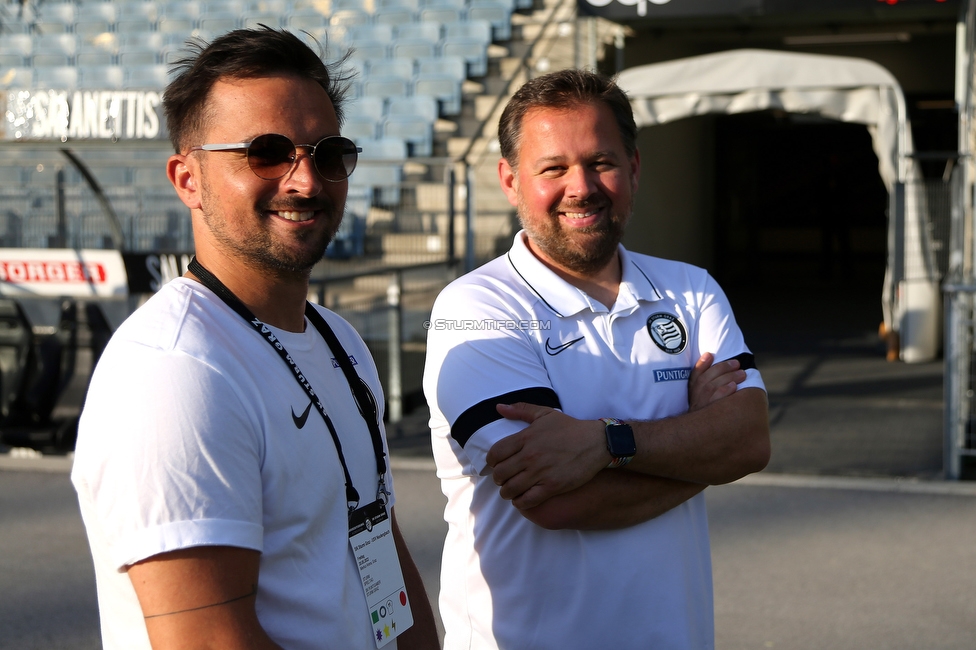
point(242, 54)
point(564, 89)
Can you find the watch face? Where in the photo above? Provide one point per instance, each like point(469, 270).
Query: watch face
point(620, 440)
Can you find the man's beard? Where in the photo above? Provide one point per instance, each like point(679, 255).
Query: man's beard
point(561, 244)
point(262, 250)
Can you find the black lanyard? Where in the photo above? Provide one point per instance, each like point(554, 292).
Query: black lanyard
point(361, 393)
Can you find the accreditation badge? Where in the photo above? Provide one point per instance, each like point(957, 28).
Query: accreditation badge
point(371, 538)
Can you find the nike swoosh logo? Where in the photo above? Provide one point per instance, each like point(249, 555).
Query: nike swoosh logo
point(301, 419)
point(553, 351)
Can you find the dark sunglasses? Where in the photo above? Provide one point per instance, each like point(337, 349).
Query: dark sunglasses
point(272, 156)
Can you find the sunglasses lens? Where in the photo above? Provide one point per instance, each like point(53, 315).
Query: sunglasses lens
point(336, 158)
point(271, 156)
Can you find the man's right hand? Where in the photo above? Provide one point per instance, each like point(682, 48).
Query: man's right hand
point(710, 381)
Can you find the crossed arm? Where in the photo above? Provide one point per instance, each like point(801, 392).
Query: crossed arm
point(723, 436)
point(202, 598)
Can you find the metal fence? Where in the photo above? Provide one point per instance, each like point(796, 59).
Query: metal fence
point(959, 289)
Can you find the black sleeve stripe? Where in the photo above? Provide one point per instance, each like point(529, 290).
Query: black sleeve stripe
point(746, 360)
point(484, 413)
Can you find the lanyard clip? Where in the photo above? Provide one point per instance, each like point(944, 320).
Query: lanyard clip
point(382, 494)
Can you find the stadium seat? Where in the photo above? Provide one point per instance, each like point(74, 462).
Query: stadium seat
point(219, 23)
point(479, 30)
point(413, 48)
point(255, 20)
point(16, 78)
point(346, 17)
point(431, 31)
point(394, 15)
point(386, 86)
point(92, 27)
point(396, 67)
point(175, 25)
point(280, 7)
point(443, 14)
point(56, 77)
point(372, 107)
point(360, 128)
point(415, 130)
point(497, 13)
point(146, 10)
point(14, 48)
point(106, 11)
point(444, 87)
point(101, 77)
point(422, 106)
point(55, 18)
point(181, 9)
point(453, 66)
point(98, 43)
point(365, 50)
point(306, 18)
point(235, 7)
point(94, 58)
point(381, 168)
point(149, 77)
point(54, 45)
point(473, 49)
point(134, 25)
point(413, 4)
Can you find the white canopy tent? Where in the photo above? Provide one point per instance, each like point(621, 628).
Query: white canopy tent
point(840, 88)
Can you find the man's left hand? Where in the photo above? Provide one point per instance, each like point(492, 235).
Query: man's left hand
point(530, 469)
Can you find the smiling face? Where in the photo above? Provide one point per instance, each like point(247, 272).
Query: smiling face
point(279, 226)
point(573, 186)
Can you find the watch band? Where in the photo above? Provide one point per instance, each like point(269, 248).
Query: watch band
point(618, 461)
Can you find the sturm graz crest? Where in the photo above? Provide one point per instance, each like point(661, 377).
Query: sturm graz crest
point(667, 332)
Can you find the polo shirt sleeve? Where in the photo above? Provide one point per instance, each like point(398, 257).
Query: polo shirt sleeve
point(168, 463)
point(479, 356)
point(719, 333)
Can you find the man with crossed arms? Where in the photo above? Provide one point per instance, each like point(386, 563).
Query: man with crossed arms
point(582, 398)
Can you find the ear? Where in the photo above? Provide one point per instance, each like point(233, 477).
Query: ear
point(183, 173)
point(509, 181)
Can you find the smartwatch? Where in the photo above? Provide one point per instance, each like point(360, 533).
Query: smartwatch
point(620, 442)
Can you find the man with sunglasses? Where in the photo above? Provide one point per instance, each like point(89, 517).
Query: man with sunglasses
point(231, 464)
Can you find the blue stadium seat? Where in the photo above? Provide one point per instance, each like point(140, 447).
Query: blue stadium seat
point(394, 15)
point(149, 77)
point(453, 66)
point(386, 86)
point(361, 128)
point(422, 106)
point(16, 78)
point(415, 130)
point(145, 10)
point(16, 47)
point(413, 48)
point(473, 49)
point(444, 87)
point(431, 31)
point(497, 13)
point(396, 67)
point(55, 18)
point(57, 77)
point(372, 107)
point(443, 14)
point(101, 77)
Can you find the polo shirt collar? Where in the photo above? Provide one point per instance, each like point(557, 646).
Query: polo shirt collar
point(563, 298)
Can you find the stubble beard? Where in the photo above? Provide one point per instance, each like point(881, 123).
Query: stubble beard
point(562, 245)
point(260, 248)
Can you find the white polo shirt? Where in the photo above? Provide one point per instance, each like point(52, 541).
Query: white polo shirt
point(514, 331)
